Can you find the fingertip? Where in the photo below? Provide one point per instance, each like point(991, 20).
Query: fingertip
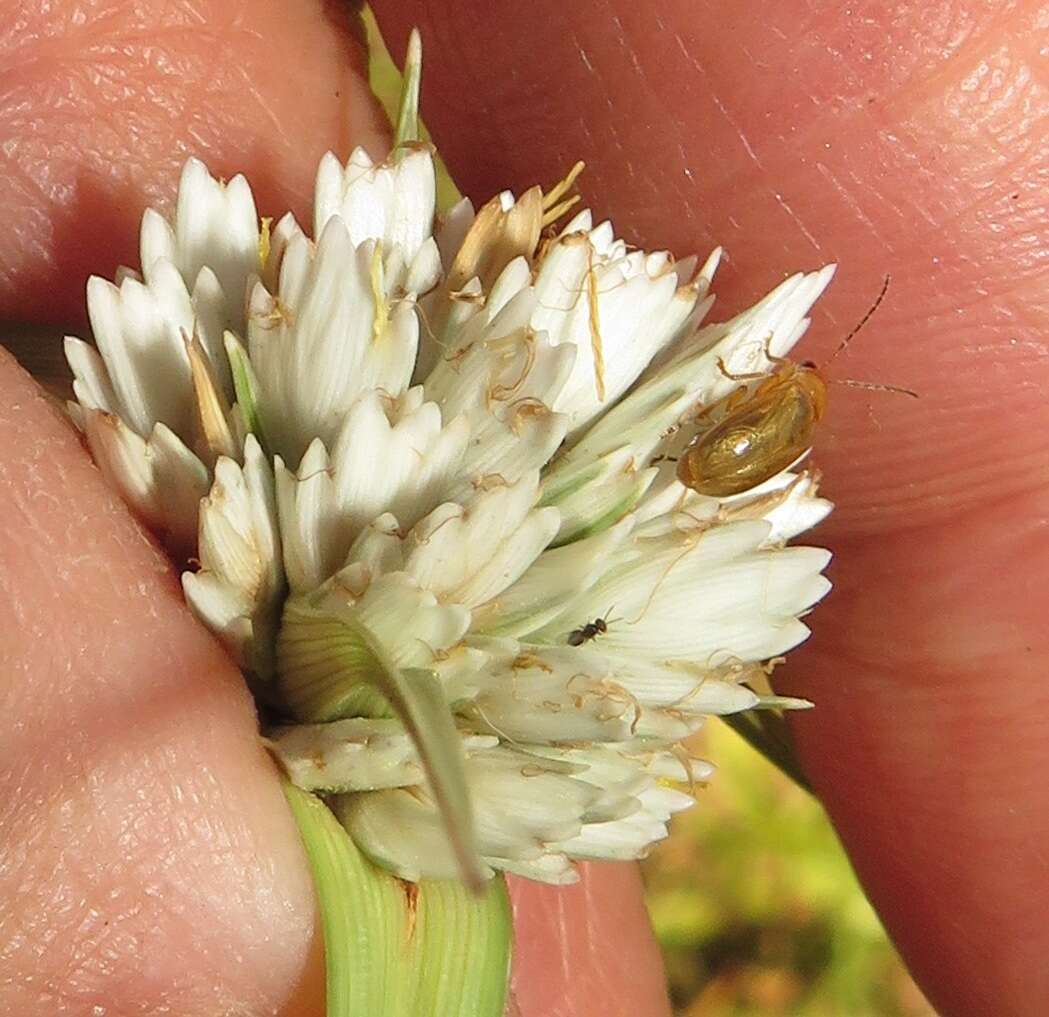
point(586, 950)
point(263, 88)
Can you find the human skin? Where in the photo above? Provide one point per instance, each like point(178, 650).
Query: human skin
point(146, 858)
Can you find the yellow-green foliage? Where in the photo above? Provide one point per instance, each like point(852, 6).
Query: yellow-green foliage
point(757, 909)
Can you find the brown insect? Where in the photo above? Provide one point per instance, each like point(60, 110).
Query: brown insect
point(762, 431)
point(766, 431)
point(591, 630)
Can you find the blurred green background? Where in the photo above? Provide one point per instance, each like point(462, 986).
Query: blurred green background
point(752, 899)
point(757, 909)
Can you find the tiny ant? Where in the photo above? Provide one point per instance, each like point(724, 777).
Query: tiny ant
point(591, 630)
point(762, 431)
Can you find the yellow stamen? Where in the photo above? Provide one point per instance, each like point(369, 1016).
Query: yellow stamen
point(595, 327)
point(382, 307)
point(264, 239)
point(559, 209)
point(279, 314)
point(562, 187)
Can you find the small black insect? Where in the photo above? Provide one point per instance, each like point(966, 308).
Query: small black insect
point(591, 630)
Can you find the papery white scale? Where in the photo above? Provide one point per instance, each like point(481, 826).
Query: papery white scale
point(474, 472)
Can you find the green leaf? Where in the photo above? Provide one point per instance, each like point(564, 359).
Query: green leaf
point(767, 732)
point(408, 113)
point(326, 656)
point(245, 386)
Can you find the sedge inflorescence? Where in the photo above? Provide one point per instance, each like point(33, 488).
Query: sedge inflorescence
point(424, 467)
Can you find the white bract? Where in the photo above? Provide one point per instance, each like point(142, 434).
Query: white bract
point(421, 466)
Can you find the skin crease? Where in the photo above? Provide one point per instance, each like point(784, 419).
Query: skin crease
point(892, 139)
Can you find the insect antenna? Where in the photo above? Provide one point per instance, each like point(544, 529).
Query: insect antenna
point(843, 345)
point(870, 386)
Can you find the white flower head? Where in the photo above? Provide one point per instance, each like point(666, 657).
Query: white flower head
point(425, 470)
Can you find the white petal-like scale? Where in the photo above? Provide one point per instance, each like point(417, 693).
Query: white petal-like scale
point(501, 451)
point(226, 540)
point(610, 803)
point(281, 238)
point(140, 337)
point(403, 465)
point(451, 229)
point(597, 495)
point(547, 694)
point(510, 559)
point(122, 456)
point(554, 581)
point(400, 831)
point(226, 611)
point(379, 546)
point(681, 685)
point(548, 802)
point(515, 278)
point(618, 312)
point(90, 379)
point(216, 226)
point(161, 479)
point(421, 274)
point(504, 365)
point(669, 505)
point(393, 202)
point(618, 840)
point(554, 869)
point(212, 317)
point(410, 628)
point(307, 341)
point(359, 754)
point(309, 533)
point(324, 338)
point(141, 331)
point(504, 390)
point(459, 669)
point(445, 317)
point(410, 621)
point(696, 376)
point(549, 805)
point(470, 554)
point(789, 503)
point(711, 597)
point(623, 772)
point(241, 580)
point(634, 778)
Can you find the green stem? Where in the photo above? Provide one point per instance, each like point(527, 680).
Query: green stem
point(396, 949)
